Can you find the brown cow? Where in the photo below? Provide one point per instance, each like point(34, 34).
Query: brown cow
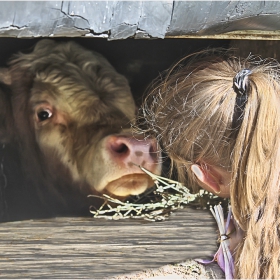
point(65, 120)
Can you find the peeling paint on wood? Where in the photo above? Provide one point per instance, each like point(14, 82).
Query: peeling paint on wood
point(124, 23)
point(155, 18)
point(117, 20)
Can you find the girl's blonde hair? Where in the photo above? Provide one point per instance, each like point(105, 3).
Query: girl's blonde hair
point(193, 111)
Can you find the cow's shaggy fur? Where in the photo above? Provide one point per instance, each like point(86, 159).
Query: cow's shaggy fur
point(61, 102)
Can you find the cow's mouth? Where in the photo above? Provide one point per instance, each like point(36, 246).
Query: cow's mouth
point(131, 184)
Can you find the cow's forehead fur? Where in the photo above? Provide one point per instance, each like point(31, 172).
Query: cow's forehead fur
point(81, 82)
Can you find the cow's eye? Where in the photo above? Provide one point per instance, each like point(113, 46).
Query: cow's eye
point(44, 115)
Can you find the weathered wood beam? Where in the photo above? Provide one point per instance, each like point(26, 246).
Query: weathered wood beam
point(116, 20)
point(97, 248)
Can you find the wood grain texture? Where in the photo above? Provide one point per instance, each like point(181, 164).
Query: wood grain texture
point(99, 249)
point(117, 20)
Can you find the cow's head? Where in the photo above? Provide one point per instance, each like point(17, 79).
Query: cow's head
point(72, 114)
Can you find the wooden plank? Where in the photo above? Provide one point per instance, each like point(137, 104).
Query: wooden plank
point(97, 248)
point(117, 20)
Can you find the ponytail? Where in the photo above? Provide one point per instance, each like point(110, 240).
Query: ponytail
point(255, 191)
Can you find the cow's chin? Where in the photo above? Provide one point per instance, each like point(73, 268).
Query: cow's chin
point(132, 184)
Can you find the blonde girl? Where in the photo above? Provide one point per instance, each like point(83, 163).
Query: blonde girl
point(218, 118)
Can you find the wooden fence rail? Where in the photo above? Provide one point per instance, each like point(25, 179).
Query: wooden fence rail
point(97, 248)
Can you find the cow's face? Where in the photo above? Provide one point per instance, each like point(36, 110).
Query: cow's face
point(80, 110)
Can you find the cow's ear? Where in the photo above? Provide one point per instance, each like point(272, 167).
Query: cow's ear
point(5, 76)
point(6, 115)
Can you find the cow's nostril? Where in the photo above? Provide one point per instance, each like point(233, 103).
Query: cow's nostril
point(119, 148)
point(152, 149)
point(153, 152)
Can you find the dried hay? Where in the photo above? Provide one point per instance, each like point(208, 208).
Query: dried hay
point(157, 203)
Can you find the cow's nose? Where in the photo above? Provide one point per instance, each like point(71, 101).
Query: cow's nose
point(130, 150)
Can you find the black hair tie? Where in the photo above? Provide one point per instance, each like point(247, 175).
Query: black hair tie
point(240, 86)
point(240, 81)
